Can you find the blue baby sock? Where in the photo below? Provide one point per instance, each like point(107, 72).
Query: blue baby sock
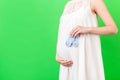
point(75, 42)
point(69, 41)
point(72, 41)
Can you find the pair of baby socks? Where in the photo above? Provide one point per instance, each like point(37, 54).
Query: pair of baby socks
point(72, 41)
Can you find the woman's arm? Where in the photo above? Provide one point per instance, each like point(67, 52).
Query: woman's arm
point(98, 7)
point(110, 26)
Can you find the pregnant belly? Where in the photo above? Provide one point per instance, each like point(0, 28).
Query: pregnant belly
point(62, 49)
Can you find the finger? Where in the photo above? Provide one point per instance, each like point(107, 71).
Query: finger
point(69, 63)
point(62, 61)
point(75, 31)
point(65, 61)
point(65, 64)
point(69, 60)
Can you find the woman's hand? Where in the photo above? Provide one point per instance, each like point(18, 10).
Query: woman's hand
point(66, 63)
point(79, 30)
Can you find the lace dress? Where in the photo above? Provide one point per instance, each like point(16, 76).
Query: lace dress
point(87, 58)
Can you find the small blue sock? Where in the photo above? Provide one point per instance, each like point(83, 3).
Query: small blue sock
point(75, 42)
point(72, 41)
point(69, 41)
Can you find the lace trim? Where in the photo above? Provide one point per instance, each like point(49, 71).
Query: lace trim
point(74, 5)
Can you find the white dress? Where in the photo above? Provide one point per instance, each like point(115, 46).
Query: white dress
point(87, 57)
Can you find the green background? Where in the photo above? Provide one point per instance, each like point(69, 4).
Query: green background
point(28, 36)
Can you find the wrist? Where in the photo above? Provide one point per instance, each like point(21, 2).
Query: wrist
point(88, 30)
